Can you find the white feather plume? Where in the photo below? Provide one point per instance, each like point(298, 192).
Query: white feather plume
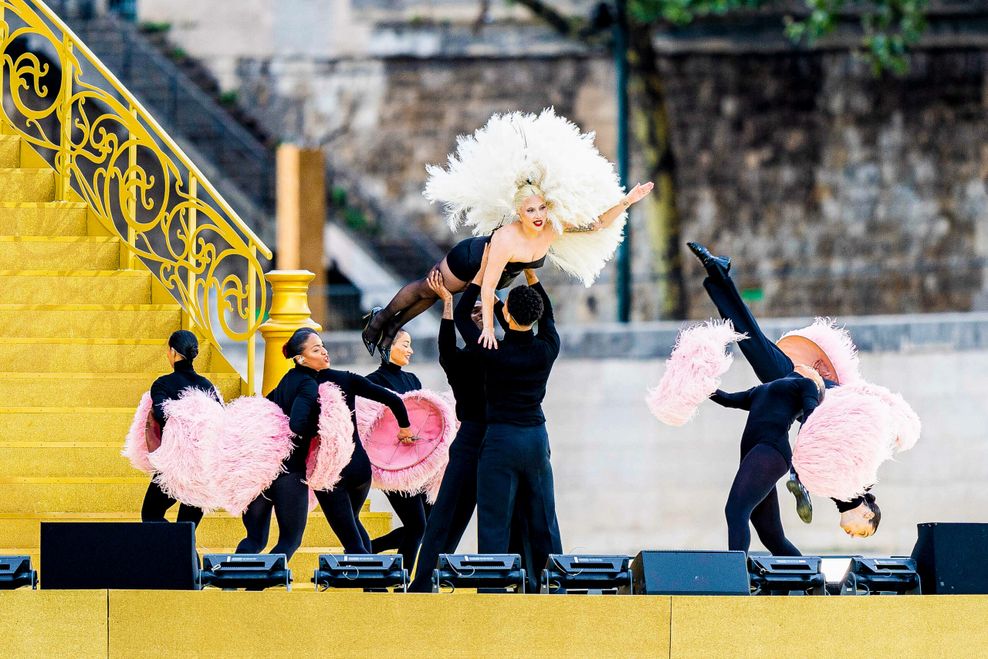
point(478, 185)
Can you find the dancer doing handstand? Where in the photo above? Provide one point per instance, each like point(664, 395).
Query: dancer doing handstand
point(766, 455)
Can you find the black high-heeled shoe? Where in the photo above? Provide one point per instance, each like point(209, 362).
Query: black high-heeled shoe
point(708, 260)
point(370, 342)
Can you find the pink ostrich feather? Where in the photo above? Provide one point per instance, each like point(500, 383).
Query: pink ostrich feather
point(332, 449)
point(433, 416)
point(841, 446)
point(837, 343)
point(249, 456)
point(693, 371)
point(135, 445)
point(195, 420)
point(904, 418)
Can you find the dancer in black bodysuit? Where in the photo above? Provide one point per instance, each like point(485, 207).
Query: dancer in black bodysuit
point(413, 510)
point(766, 455)
point(859, 517)
point(298, 397)
point(183, 347)
point(342, 504)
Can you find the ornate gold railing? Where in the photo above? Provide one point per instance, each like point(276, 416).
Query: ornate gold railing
point(109, 150)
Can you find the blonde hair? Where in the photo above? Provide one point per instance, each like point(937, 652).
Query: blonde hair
point(526, 190)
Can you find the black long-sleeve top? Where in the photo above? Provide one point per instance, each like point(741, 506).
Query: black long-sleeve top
point(465, 368)
point(354, 386)
point(772, 409)
point(169, 387)
point(517, 371)
point(391, 376)
point(297, 394)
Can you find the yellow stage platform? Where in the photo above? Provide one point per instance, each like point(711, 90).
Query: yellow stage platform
point(351, 624)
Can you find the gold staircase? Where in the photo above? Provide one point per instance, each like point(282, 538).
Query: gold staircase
point(93, 280)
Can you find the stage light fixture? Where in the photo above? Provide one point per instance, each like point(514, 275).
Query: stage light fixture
point(15, 572)
point(494, 571)
point(367, 571)
point(569, 573)
point(895, 575)
point(250, 571)
point(786, 575)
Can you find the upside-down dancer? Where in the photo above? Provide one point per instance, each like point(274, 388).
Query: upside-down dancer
point(183, 347)
point(766, 455)
point(859, 517)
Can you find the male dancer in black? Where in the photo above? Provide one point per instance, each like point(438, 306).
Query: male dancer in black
point(860, 516)
point(514, 475)
point(457, 496)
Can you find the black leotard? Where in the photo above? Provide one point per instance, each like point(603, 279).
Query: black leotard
point(466, 256)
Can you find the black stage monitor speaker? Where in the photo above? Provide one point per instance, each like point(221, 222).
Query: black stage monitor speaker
point(952, 558)
point(690, 573)
point(132, 555)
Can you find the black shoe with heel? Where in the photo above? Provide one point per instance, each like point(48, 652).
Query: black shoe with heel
point(804, 506)
point(370, 339)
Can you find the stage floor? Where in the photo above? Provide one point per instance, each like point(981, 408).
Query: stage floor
point(214, 623)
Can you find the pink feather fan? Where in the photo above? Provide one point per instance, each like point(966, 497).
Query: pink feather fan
point(693, 371)
point(143, 429)
point(409, 468)
point(332, 449)
point(841, 446)
point(188, 442)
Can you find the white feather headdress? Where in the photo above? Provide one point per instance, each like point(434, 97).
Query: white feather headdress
point(478, 185)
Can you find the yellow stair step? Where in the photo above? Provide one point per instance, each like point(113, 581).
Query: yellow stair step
point(53, 218)
point(59, 253)
point(89, 320)
point(215, 530)
point(20, 355)
point(65, 424)
point(25, 184)
point(97, 389)
point(75, 287)
point(51, 460)
point(10, 151)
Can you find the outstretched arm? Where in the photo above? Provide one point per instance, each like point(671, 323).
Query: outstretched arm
point(607, 218)
point(463, 312)
point(364, 388)
point(547, 322)
point(447, 334)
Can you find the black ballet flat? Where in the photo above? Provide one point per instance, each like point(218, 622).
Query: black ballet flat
point(708, 260)
point(804, 506)
point(370, 343)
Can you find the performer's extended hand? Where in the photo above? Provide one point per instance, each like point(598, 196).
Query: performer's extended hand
point(487, 338)
point(405, 436)
point(637, 193)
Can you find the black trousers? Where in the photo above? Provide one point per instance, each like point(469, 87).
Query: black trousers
point(156, 503)
point(342, 504)
point(514, 477)
point(288, 496)
point(455, 503)
point(754, 499)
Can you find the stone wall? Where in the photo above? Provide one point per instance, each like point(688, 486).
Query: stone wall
point(835, 192)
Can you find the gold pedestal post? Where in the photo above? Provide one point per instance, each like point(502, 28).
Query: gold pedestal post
point(301, 214)
point(289, 311)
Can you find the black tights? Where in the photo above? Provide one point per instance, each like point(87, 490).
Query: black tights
point(413, 511)
point(156, 503)
point(409, 302)
point(341, 506)
point(753, 498)
point(288, 495)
